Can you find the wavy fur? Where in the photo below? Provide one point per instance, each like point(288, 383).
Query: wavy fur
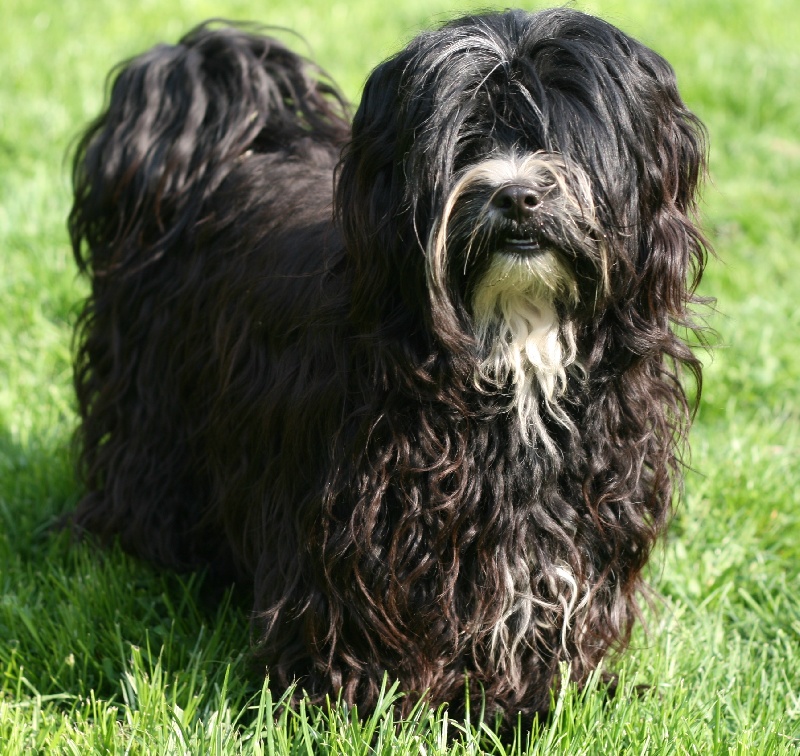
point(303, 375)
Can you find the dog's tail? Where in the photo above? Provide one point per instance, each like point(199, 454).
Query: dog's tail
point(177, 120)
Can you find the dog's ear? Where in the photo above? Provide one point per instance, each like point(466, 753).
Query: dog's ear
point(373, 209)
point(662, 254)
point(672, 249)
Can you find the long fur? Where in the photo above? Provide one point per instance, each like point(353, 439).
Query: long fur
point(417, 380)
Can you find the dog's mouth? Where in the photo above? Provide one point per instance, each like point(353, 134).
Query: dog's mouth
point(522, 243)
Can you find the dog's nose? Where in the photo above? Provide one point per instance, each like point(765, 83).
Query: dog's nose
point(515, 202)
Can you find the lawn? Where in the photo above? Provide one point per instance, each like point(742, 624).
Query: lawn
point(101, 654)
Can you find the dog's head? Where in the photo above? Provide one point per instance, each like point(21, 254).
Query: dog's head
point(515, 177)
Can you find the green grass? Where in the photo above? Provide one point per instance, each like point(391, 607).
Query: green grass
point(101, 654)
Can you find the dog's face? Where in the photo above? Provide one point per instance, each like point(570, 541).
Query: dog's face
point(516, 223)
point(523, 174)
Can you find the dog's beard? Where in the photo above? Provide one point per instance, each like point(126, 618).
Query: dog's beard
point(521, 300)
point(521, 338)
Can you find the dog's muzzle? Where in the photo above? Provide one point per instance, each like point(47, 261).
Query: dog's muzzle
point(514, 207)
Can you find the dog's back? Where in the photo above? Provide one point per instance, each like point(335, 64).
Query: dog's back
point(206, 183)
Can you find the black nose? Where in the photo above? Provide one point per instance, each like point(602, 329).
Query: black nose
point(515, 202)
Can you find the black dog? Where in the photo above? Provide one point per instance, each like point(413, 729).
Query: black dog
point(416, 380)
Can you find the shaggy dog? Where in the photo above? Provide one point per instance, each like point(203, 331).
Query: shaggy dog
point(418, 379)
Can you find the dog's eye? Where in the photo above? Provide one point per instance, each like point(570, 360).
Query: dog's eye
point(472, 149)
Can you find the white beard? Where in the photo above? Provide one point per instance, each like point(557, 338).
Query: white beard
point(521, 337)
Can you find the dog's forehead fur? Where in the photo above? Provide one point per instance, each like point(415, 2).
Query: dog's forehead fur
point(559, 81)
